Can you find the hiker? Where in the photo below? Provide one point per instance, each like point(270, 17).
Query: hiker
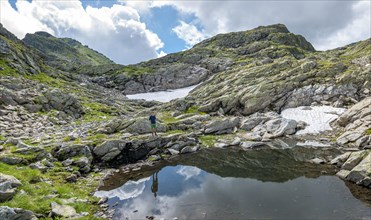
point(152, 118)
point(154, 187)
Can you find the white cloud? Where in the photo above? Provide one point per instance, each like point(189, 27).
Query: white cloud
point(28, 24)
point(162, 54)
point(358, 29)
point(326, 24)
point(189, 33)
point(116, 31)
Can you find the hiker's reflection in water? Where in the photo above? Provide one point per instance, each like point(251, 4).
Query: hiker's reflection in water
point(154, 186)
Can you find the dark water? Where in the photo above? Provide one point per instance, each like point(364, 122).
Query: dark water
point(242, 186)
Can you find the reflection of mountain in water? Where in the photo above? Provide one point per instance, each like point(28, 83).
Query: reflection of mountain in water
point(273, 165)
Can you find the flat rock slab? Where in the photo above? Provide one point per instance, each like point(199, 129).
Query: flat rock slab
point(62, 210)
point(252, 144)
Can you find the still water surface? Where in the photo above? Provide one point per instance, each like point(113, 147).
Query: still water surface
point(188, 192)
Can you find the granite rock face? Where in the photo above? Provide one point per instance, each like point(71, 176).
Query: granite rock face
point(356, 168)
point(356, 125)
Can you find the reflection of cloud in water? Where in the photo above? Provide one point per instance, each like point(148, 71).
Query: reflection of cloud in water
point(219, 198)
point(131, 189)
point(188, 171)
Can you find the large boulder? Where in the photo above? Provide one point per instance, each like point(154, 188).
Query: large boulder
point(119, 151)
point(143, 126)
point(114, 126)
point(7, 213)
point(108, 150)
point(11, 160)
point(251, 122)
point(58, 100)
point(84, 164)
point(64, 211)
point(63, 152)
point(221, 126)
point(8, 185)
point(279, 127)
point(189, 149)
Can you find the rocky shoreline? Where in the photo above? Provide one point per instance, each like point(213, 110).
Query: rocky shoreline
point(126, 141)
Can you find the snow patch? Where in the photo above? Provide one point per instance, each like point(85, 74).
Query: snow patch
point(163, 96)
point(318, 118)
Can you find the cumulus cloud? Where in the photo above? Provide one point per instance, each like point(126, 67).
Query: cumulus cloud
point(326, 24)
point(28, 24)
point(114, 31)
point(358, 29)
point(189, 33)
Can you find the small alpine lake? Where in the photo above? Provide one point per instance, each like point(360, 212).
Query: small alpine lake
point(237, 184)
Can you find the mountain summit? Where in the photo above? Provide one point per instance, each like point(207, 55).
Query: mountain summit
point(277, 33)
point(64, 53)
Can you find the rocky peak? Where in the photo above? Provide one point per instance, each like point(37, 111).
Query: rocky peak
point(16, 56)
point(277, 33)
point(42, 33)
point(7, 34)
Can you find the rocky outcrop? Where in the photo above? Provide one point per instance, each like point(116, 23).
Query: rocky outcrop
point(58, 100)
point(7, 213)
point(188, 122)
point(324, 78)
point(21, 58)
point(36, 97)
point(127, 151)
point(143, 126)
point(356, 122)
point(222, 126)
point(355, 167)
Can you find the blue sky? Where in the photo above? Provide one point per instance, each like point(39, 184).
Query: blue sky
point(133, 31)
point(161, 21)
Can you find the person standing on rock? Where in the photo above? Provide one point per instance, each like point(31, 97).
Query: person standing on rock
point(152, 118)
